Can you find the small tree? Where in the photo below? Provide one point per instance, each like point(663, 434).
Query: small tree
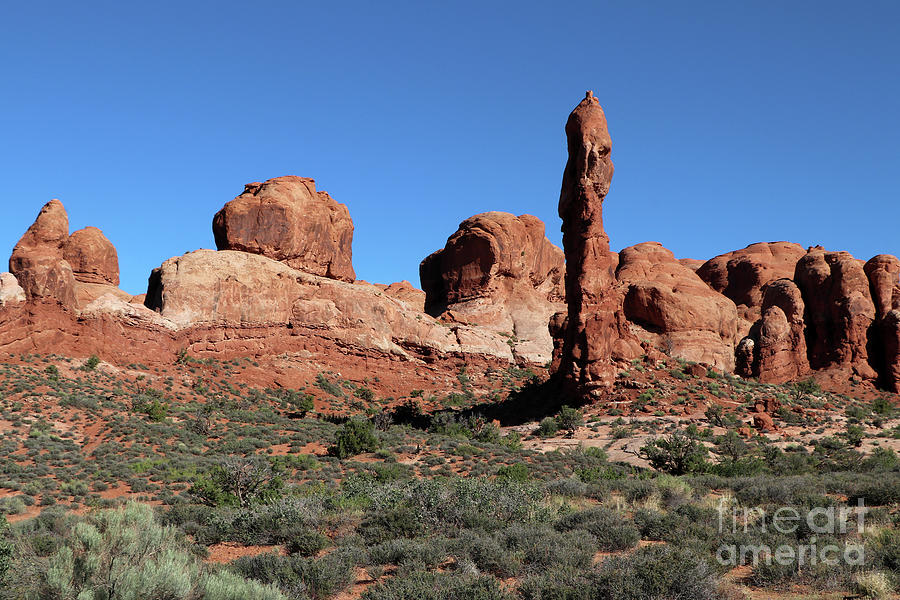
point(677, 453)
point(569, 419)
point(355, 437)
point(238, 481)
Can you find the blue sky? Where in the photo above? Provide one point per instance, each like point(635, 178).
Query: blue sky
point(731, 122)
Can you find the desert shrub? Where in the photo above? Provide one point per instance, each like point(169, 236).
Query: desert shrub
point(656, 572)
point(307, 542)
point(880, 491)
point(237, 481)
point(514, 472)
point(541, 547)
point(612, 531)
point(356, 436)
point(558, 584)
point(318, 578)
point(487, 553)
point(127, 546)
point(91, 363)
point(678, 453)
point(438, 586)
point(883, 550)
point(408, 555)
point(399, 522)
point(548, 427)
point(569, 419)
point(874, 584)
point(5, 550)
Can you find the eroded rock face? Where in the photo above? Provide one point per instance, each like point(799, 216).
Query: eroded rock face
point(287, 220)
point(501, 272)
point(406, 292)
point(883, 272)
point(839, 310)
point(670, 305)
point(594, 323)
point(92, 257)
point(778, 338)
point(741, 275)
point(10, 290)
point(889, 328)
point(37, 260)
point(237, 289)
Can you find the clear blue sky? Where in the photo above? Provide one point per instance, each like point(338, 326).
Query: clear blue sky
point(731, 122)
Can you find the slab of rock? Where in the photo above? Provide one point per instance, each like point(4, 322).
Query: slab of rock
point(287, 220)
point(237, 289)
point(670, 305)
point(406, 292)
point(780, 339)
point(499, 271)
point(92, 257)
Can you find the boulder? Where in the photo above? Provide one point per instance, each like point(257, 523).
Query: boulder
point(37, 260)
point(741, 275)
point(594, 324)
point(839, 310)
point(10, 290)
point(501, 272)
point(93, 257)
point(287, 220)
point(670, 305)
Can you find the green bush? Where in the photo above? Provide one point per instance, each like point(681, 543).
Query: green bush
point(656, 572)
point(438, 586)
point(356, 436)
point(612, 531)
point(548, 427)
point(677, 454)
point(514, 472)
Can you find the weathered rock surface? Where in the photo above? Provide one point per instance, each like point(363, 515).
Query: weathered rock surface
point(405, 292)
point(692, 263)
point(37, 260)
point(10, 290)
point(889, 329)
point(839, 310)
point(92, 257)
point(287, 220)
point(883, 272)
point(741, 275)
point(672, 307)
point(501, 272)
point(593, 325)
point(778, 339)
point(238, 289)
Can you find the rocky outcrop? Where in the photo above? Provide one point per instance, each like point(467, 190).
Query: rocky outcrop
point(10, 290)
point(287, 220)
point(37, 261)
point(692, 263)
point(237, 289)
point(92, 257)
point(501, 272)
point(669, 305)
point(883, 272)
point(583, 358)
point(839, 310)
point(405, 292)
point(777, 341)
point(741, 275)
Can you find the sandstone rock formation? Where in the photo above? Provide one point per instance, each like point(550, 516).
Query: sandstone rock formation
point(883, 272)
point(777, 341)
point(241, 290)
point(10, 290)
point(672, 307)
point(692, 263)
point(405, 292)
point(742, 274)
point(92, 257)
point(593, 323)
point(499, 271)
point(839, 310)
point(37, 260)
point(287, 220)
